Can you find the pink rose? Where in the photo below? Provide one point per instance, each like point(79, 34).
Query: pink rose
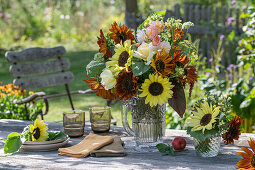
point(156, 41)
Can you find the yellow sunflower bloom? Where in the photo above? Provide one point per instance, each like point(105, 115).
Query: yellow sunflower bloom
point(162, 64)
point(203, 118)
point(39, 131)
point(157, 90)
point(121, 59)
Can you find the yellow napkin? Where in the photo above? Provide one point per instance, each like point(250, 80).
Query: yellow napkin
point(89, 143)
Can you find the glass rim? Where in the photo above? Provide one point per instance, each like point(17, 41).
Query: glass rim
point(99, 107)
point(73, 111)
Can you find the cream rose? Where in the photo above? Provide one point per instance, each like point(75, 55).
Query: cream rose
point(145, 51)
point(108, 81)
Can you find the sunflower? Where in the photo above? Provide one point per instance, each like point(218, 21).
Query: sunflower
point(95, 85)
point(233, 131)
point(126, 85)
point(121, 34)
point(190, 76)
point(248, 161)
point(103, 46)
point(157, 90)
point(162, 64)
point(121, 59)
point(38, 131)
point(203, 118)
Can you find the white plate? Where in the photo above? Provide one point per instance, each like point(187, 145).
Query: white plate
point(44, 147)
point(44, 142)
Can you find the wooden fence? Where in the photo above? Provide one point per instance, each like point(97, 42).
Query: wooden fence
point(210, 24)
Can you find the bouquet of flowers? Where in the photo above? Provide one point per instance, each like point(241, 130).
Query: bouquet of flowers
point(156, 64)
point(211, 118)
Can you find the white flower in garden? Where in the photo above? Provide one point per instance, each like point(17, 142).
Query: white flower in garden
point(141, 36)
point(164, 46)
point(145, 51)
point(108, 81)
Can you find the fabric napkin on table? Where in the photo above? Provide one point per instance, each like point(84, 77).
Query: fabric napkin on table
point(88, 144)
point(111, 150)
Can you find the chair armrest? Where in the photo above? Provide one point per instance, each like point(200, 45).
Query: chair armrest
point(86, 91)
point(30, 98)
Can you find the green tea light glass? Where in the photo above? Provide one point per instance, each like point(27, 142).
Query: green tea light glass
point(74, 123)
point(100, 118)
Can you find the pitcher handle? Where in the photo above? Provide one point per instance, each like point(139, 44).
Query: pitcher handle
point(126, 107)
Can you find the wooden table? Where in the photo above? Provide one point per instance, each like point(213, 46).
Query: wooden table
point(135, 159)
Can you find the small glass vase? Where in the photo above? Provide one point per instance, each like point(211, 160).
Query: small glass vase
point(148, 123)
point(209, 147)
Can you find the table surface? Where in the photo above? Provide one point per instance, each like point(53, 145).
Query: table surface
point(135, 159)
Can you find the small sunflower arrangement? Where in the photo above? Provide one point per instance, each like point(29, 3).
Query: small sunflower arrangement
point(38, 131)
point(154, 63)
point(211, 117)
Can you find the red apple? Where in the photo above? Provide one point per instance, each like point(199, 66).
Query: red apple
point(179, 143)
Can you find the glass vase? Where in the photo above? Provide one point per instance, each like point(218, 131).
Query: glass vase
point(148, 123)
point(209, 147)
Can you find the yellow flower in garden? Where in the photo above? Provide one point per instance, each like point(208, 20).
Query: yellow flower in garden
point(157, 90)
point(39, 131)
point(203, 118)
point(121, 59)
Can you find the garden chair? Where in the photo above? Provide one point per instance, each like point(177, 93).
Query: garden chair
point(29, 62)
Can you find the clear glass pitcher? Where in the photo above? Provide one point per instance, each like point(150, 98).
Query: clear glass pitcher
point(148, 123)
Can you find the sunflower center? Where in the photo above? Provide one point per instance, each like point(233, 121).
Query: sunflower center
point(123, 58)
point(36, 133)
point(206, 119)
point(156, 88)
point(160, 65)
point(128, 85)
point(253, 161)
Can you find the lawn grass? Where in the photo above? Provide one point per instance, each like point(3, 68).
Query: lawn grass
point(79, 61)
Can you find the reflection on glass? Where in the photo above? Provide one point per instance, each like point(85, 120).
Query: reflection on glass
point(100, 118)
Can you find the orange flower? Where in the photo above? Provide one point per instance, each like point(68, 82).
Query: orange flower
point(95, 85)
point(189, 77)
point(179, 60)
point(103, 45)
point(178, 34)
point(162, 64)
point(121, 34)
point(233, 131)
point(248, 161)
point(126, 86)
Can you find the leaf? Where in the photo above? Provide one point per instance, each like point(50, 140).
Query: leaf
point(139, 67)
point(165, 149)
point(245, 104)
point(179, 103)
point(94, 68)
point(13, 143)
point(161, 147)
point(56, 135)
point(202, 136)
